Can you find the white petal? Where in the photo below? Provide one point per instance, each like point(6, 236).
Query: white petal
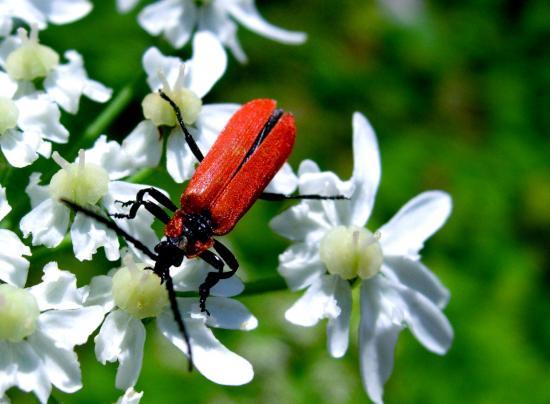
point(63, 11)
point(70, 327)
point(317, 303)
point(130, 397)
point(180, 162)
point(414, 275)
point(37, 113)
point(88, 235)
point(212, 119)
point(428, 324)
point(338, 328)
point(8, 87)
point(207, 64)
point(121, 339)
point(154, 62)
point(285, 181)
point(366, 170)
point(305, 221)
point(47, 222)
point(247, 14)
point(97, 91)
point(192, 273)
point(6, 26)
point(143, 145)
point(171, 17)
point(60, 364)
point(111, 156)
point(210, 357)
point(100, 293)
point(20, 366)
point(5, 207)
point(13, 267)
point(124, 6)
point(415, 222)
point(300, 265)
point(377, 338)
point(20, 149)
point(229, 314)
point(57, 290)
point(37, 193)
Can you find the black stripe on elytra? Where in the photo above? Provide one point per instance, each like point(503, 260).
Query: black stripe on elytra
point(266, 130)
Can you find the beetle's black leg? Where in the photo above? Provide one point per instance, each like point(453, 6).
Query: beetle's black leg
point(152, 207)
point(271, 196)
point(164, 274)
point(111, 225)
point(188, 137)
point(214, 277)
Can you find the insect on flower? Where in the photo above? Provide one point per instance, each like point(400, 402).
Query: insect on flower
point(245, 157)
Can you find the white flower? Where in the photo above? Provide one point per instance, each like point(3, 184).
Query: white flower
point(332, 248)
point(27, 124)
point(40, 327)
point(178, 19)
point(39, 12)
point(133, 293)
point(24, 59)
point(94, 179)
point(130, 397)
point(13, 267)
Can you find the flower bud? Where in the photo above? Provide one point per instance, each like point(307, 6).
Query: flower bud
point(18, 313)
point(350, 252)
point(160, 112)
point(30, 60)
point(79, 182)
point(138, 291)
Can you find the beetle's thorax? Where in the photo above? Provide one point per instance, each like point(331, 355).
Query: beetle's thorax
point(192, 232)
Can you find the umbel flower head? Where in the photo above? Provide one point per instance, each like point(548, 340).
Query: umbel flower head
point(332, 250)
point(133, 293)
point(27, 61)
point(40, 327)
point(177, 20)
point(93, 180)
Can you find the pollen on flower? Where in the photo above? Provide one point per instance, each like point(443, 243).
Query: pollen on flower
point(30, 60)
point(80, 182)
point(138, 291)
point(161, 113)
point(351, 251)
point(8, 114)
point(18, 313)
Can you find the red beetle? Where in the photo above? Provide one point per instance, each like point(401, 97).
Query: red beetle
point(245, 157)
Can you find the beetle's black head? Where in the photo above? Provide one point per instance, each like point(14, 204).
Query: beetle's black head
point(169, 253)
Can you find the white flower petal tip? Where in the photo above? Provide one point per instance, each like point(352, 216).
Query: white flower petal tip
point(415, 222)
point(130, 397)
point(213, 360)
point(58, 290)
point(208, 63)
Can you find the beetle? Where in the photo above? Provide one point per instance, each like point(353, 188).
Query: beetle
point(245, 157)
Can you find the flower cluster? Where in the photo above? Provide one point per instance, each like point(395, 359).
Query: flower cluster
point(332, 250)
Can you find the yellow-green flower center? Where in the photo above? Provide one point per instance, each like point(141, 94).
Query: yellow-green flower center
point(18, 313)
point(350, 252)
point(30, 60)
point(161, 113)
point(81, 182)
point(8, 114)
point(138, 291)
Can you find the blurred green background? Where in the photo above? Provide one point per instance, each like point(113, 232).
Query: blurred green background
point(459, 99)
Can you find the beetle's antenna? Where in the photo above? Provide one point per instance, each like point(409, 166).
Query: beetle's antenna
point(177, 315)
point(188, 137)
point(111, 225)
